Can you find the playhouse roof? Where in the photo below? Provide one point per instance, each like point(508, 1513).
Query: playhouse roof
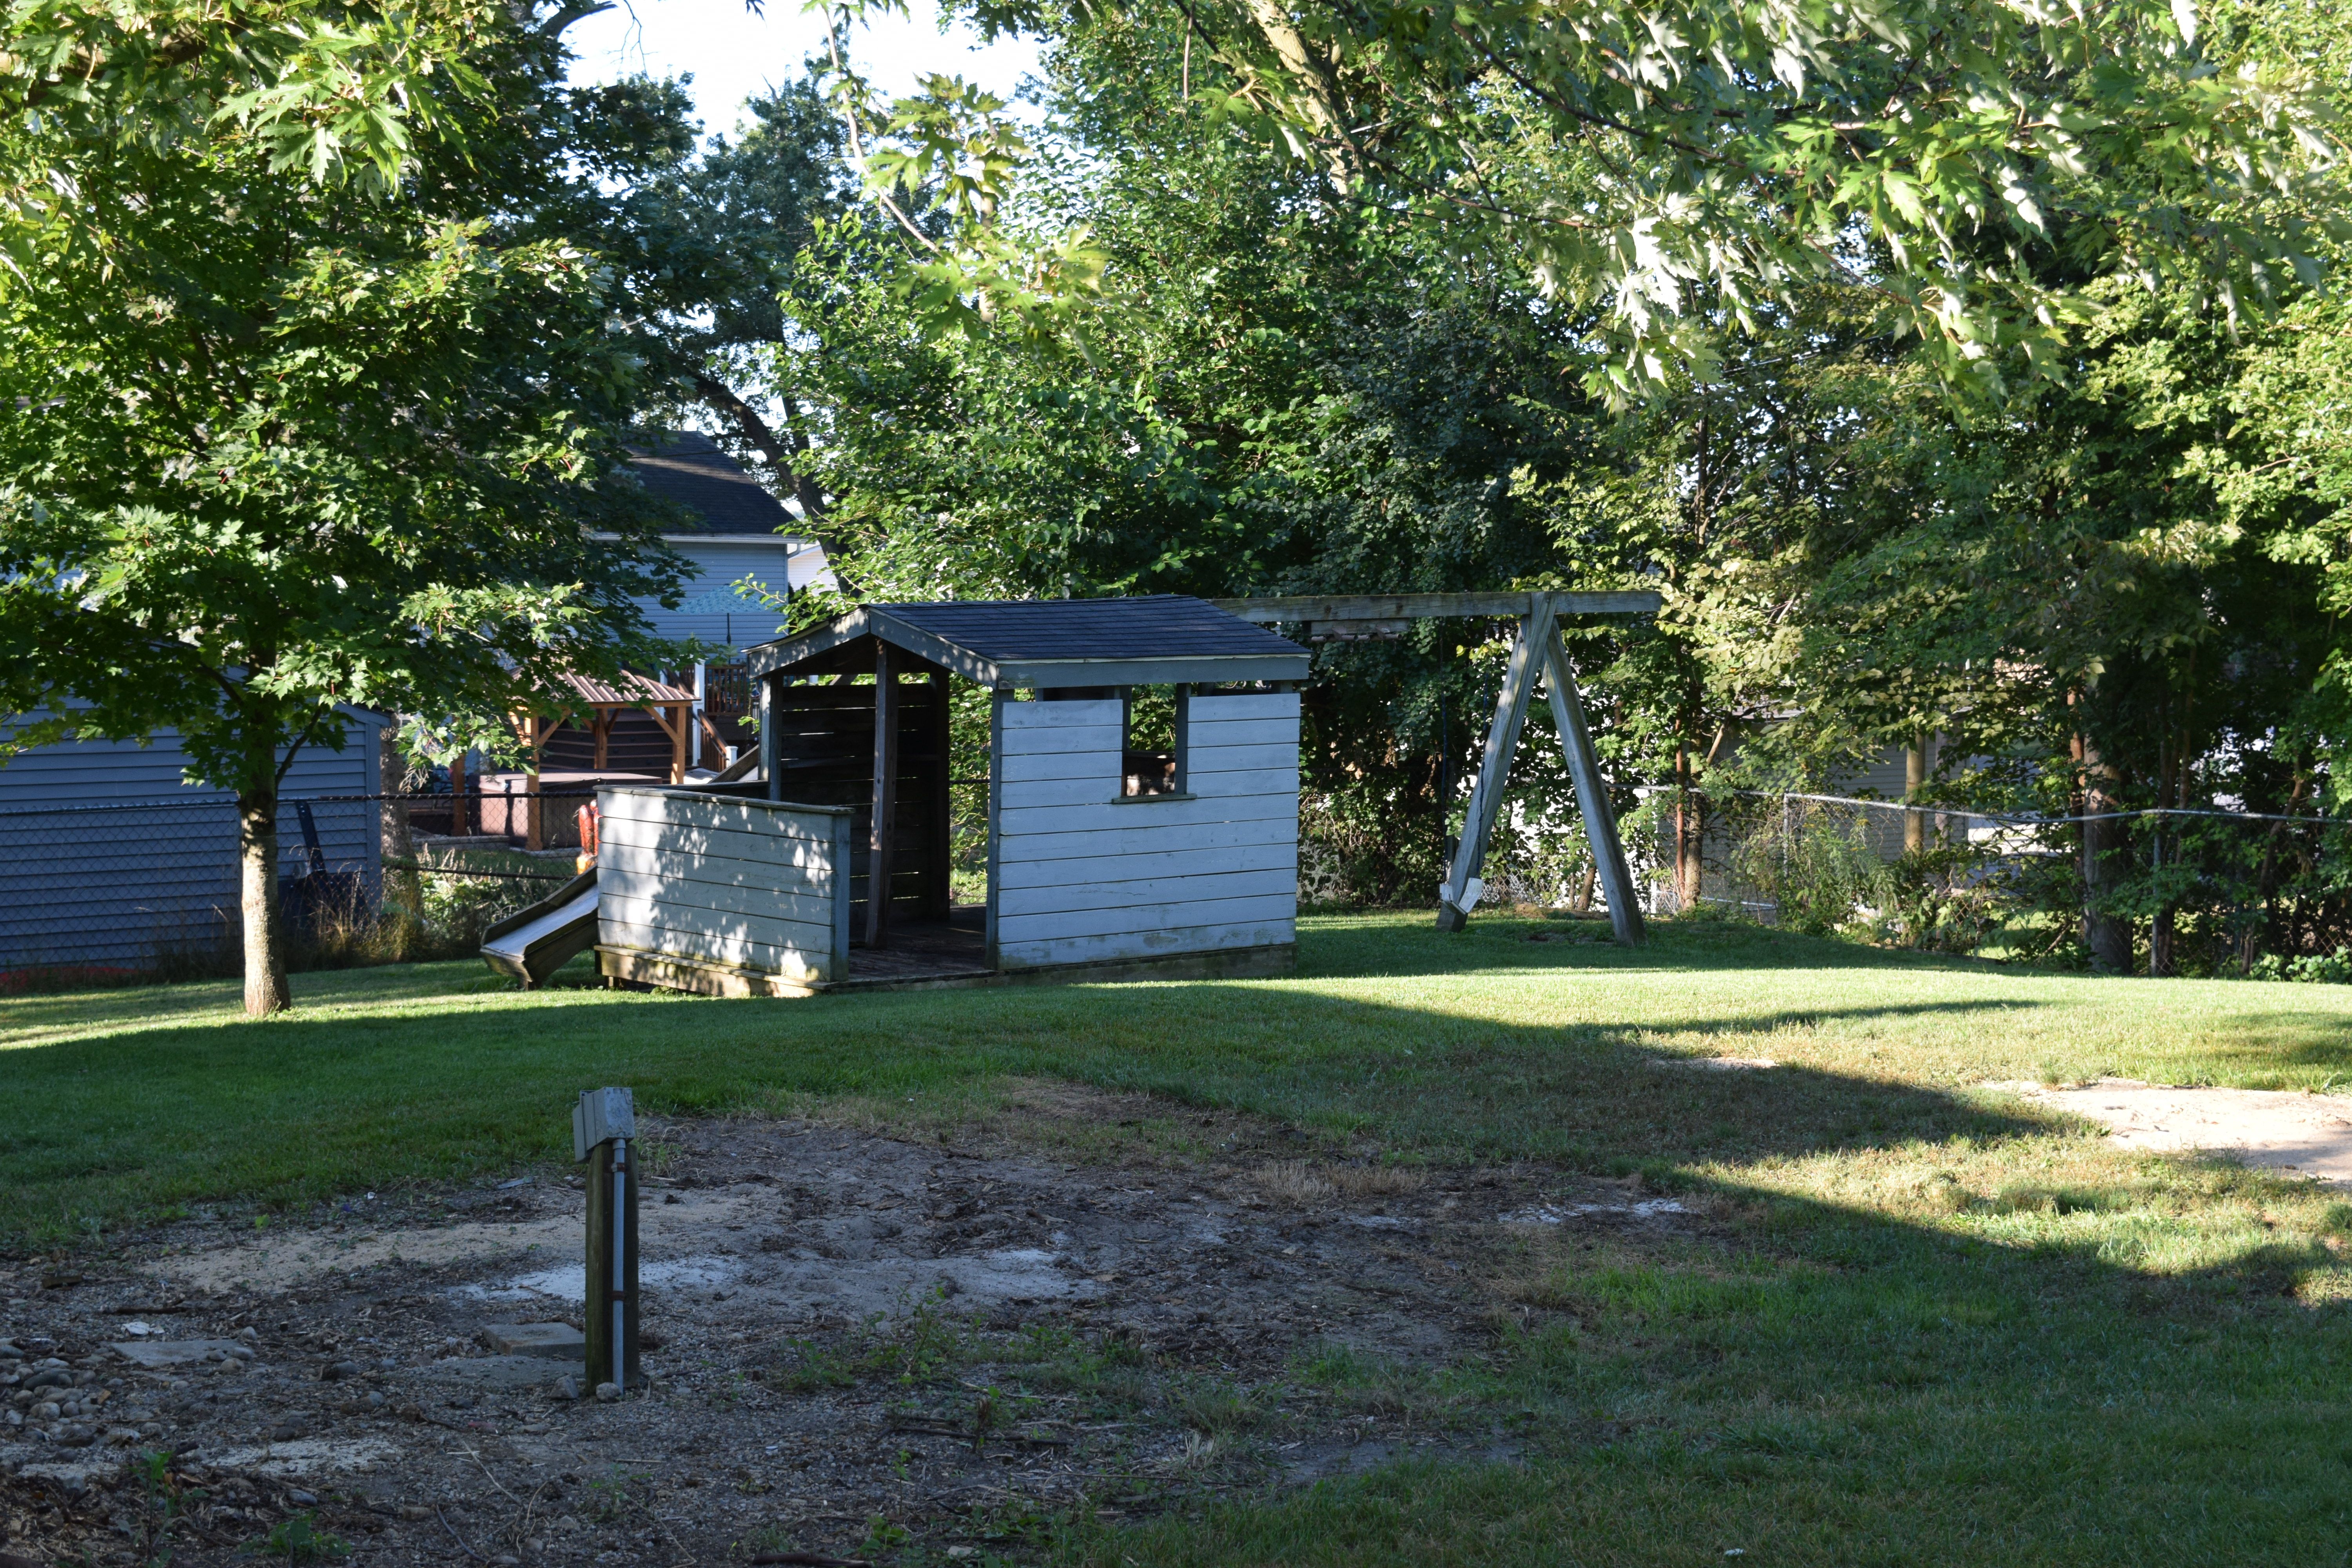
point(1048, 643)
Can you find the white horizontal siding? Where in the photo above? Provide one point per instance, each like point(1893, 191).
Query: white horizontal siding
point(1051, 717)
point(1099, 760)
point(1240, 732)
point(1121, 890)
point(787, 841)
point(1280, 857)
point(1141, 918)
point(1281, 782)
point(1202, 759)
point(1273, 830)
point(668, 906)
point(742, 896)
point(685, 808)
point(1083, 875)
point(1282, 705)
point(682, 942)
point(1114, 815)
point(719, 564)
point(723, 881)
point(106, 857)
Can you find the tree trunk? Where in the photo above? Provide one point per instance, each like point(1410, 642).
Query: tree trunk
point(1915, 785)
point(1690, 835)
point(257, 855)
point(2108, 936)
point(1580, 903)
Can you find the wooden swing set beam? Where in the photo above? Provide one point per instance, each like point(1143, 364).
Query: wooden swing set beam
point(1311, 607)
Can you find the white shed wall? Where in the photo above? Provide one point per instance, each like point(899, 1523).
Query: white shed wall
point(1081, 875)
point(711, 879)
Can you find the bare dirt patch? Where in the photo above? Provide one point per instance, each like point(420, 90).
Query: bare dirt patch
point(864, 1342)
point(2295, 1133)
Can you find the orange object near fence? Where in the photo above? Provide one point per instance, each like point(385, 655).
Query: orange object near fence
point(587, 818)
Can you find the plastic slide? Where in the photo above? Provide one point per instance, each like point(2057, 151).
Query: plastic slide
point(542, 938)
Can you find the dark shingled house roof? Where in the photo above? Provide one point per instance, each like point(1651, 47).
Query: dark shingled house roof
point(689, 469)
point(1052, 642)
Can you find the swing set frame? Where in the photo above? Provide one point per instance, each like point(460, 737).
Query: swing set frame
point(1536, 650)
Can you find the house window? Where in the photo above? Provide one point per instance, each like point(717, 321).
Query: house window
point(1151, 741)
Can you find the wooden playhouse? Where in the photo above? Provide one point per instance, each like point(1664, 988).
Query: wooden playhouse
point(1143, 807)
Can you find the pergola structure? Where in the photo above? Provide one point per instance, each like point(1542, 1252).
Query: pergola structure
point(671, 707)
point(1536, 650)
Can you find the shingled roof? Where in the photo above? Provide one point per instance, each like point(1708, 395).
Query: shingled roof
point(1141, 641)
point(689, 469)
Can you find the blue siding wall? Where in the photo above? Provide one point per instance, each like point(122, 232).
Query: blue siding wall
point(714, 612)
point(106, 856)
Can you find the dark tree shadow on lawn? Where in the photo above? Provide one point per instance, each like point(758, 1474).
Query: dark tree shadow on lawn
point(1852, 1383)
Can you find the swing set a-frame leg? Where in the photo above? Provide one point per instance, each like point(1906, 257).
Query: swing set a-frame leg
point(1539, 650)
point(1461, 893)
point(1591, 792)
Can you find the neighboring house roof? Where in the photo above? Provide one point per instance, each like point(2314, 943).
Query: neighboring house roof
point(1059, 642)
point(689, 469)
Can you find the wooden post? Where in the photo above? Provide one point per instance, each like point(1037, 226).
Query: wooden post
point(534, 835)
point(938, 877)
point(457, 813)
point(600, 728)
point(1494, 767)
point(610, 1322)
point(1591, 791)
point(1915, 785)
point(770, 749)
point(1181, 737)
point(885, 794)
point(996, 701)
point(673, 718)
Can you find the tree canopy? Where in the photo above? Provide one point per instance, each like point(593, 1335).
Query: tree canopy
point(308, 392)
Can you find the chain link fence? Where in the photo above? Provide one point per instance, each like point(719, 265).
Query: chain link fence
point(121, 893)
point(2196, 892)
point(143, 891)
point(2200, 892)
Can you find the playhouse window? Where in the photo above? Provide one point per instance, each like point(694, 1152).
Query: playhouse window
point(1152, 740)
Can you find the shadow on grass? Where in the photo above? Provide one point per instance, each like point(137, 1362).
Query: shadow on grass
point(1807, 1383)
point(304, 1106)
point(2063, 1368)
point(1394, 944)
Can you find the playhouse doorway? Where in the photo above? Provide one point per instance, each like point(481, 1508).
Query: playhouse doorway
point(869, 727)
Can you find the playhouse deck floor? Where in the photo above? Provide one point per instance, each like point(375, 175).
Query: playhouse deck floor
point(927, 952)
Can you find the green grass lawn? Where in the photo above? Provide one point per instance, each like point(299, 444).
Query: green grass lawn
point(1924, 1323)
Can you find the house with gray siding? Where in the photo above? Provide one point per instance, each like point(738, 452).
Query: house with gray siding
point(109, 858)
point(738, 533)
point(738, 538)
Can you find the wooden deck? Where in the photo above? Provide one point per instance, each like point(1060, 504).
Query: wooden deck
point(912, 954)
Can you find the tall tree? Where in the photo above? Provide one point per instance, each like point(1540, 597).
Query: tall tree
point(702, 246)
point(1681, 164)
point(296, 410)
